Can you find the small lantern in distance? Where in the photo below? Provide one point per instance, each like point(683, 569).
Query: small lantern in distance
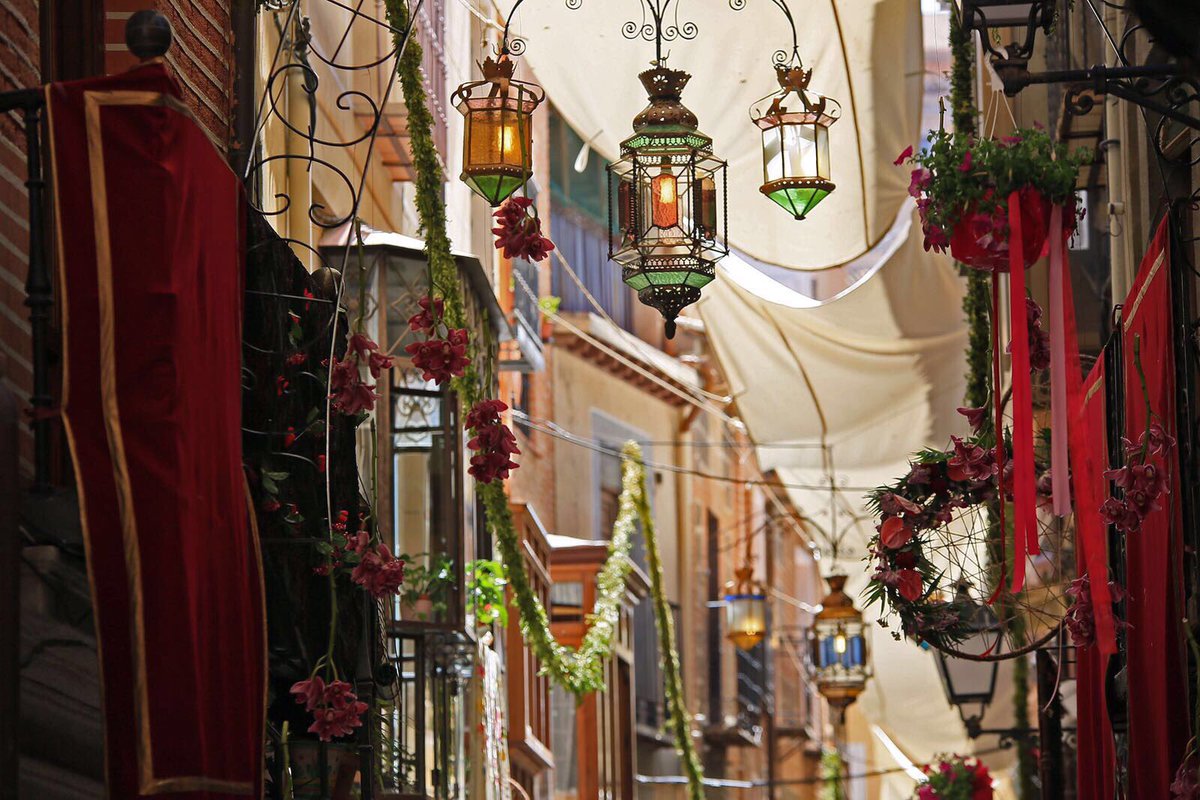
point(795, 141)
point(498, 140)
point(745, 609)
point(839, 648)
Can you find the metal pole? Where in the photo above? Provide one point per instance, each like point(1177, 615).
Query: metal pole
point(39, 298)
point(1050, 762)
point(769, 667)
point(10, 597)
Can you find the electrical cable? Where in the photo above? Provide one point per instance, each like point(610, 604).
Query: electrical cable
point(553, 429)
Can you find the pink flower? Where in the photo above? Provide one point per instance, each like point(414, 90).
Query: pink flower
point(355, 399)
point(894, 533)
point(909, 584)
point(935, 239)
point(970, 462)
point(975, 416)
point(919, 181)
point(1039, 339)
point(965, 166)
point(904, 156)
point(309, 693)
point(378, 572)
point(331, 723)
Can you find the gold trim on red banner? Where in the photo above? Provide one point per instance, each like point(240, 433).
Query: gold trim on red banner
point(93, 101)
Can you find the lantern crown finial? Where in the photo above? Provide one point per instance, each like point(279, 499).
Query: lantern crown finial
point(664, 87)
point(498, 69)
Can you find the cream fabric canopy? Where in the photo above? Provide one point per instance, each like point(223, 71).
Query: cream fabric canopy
point(866, 54)
point(874, 375)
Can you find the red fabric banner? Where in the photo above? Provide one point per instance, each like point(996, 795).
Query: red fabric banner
point(1025, 528)
point(1158, 724)
point(149, 222)
point(1095, 757)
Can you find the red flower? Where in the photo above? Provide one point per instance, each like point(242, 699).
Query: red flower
point(430, 315)
point(320, 463)
point(895, 533)
point(441, 359)
point(296, 359)
point(281, 384)
point(519, 232)
point(270, 504)
point(965, 166)
point(355, 399)
point(909, 584)
point(919, 181)
point(309, 693)
point(378, 571)
point(493, 442)
point(970, 462)
point(904, 156)
point(289, 438)
point(331, 723)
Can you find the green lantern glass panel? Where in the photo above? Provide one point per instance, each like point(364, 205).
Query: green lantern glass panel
point(797, 200)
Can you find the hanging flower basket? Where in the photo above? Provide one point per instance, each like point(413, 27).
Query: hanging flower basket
point(963, 186)
point(981, 241)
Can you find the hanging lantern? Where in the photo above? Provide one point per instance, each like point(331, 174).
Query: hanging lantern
point(498, 141)
point(839, 647)
point(745, 609)
point(795, 141)
point(970, 683)
point(668, 190)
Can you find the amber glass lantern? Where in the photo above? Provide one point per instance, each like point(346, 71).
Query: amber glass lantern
point(745, 609)
point(498, 141)
point(667, 201)
point(795, 141)
point(839, 647)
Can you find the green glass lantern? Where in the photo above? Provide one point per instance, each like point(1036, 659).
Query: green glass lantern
point(498, 140)
point(666, 201)
point(795, 141)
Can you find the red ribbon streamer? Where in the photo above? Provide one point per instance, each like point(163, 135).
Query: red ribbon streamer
point(1025, 531)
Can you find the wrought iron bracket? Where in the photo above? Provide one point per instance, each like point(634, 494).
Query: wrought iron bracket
point(1157, 87)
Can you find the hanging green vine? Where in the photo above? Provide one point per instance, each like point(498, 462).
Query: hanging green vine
point(681, 721)
point(579, 671)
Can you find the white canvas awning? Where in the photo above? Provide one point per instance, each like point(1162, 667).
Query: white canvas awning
point(874, 375)
point(866, 54)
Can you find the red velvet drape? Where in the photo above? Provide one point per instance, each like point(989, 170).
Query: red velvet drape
point(1096, 762)
point(149, 224)
point(1158, 724)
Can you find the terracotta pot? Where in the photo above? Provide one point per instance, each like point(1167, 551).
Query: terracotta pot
point(971, 244)
point(420, 610)
point(341, 766)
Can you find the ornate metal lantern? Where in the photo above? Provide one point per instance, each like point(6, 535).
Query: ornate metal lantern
point(971, 681)
point(795, 141)
point(666, 201)
point(498, 142)
point(839, 647)
point(745, 609)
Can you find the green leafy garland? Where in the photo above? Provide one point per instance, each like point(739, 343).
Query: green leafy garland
point(681, 721)
point(579, 671)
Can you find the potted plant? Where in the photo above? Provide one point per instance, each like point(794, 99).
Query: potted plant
point(964, 186)
point(486, 584)
point(427, 580)
point(955, 778)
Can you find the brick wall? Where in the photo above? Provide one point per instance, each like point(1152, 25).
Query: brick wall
point(19, 56)
point(201, 56)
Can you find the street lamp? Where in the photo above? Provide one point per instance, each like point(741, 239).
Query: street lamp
point(990, 16)
point(972, 681)
point(795, 141)
point(839, 648)
point(745, 609)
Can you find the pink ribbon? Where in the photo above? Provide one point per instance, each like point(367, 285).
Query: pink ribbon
point(1060, 480)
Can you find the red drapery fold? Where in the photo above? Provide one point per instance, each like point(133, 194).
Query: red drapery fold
point(1096, 761)
point(149, 233)
point(1158, 721)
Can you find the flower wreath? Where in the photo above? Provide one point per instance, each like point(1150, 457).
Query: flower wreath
point(912, 510)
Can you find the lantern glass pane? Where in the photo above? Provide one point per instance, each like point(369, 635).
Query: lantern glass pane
point(746, 618)
point(793, 151)
point(498, 138)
